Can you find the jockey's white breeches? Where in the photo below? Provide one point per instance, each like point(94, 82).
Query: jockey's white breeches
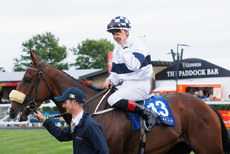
point(131, 90)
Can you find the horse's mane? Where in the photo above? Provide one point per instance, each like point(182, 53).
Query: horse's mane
point(90, 86)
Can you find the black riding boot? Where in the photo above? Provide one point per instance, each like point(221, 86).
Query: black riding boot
point(149, 116)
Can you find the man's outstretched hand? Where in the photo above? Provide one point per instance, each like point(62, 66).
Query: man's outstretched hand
point(39, 116)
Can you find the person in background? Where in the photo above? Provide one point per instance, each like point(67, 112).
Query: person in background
point(206, 92)
point(201, 95)
point(131, 72)
point(85, 132)
point(196, 93)
point(214, 98)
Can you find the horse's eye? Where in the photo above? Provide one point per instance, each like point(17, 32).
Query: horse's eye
point(27, 79)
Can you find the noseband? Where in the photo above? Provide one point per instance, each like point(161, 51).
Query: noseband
point(32, 105)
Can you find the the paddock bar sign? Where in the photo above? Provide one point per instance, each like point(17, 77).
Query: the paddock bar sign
point(193, 68)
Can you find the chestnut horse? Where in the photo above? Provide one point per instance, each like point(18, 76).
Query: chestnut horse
point(198, 127)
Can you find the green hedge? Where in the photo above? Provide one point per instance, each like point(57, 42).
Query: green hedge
point(221, 107)
point(48, 109)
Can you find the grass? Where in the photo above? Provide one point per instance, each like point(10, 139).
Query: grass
point(36, 141)
point(32, 141)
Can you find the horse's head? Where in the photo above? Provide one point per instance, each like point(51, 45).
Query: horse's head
point(33, 90)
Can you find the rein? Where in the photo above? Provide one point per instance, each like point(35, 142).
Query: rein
point(90, 100)
point(95, 96)
point(103, 111)
point(32, 105)
point(105, 92)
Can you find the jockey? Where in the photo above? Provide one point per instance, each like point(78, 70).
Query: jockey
point(131, 72)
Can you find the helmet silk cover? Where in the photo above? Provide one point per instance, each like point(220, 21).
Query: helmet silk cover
point(119, 22)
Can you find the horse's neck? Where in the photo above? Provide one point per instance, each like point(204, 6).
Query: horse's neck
point(60, 81)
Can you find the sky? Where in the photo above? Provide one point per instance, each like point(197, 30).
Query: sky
point(204, 25)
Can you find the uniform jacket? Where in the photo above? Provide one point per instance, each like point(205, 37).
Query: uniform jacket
point(131, 63)
point(88, 137)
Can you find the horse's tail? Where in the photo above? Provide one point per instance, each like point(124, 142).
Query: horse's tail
point(224, 133)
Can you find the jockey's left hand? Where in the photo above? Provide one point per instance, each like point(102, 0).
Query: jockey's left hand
point(107, 84)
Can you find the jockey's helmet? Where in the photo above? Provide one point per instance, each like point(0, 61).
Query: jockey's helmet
point(119, 22)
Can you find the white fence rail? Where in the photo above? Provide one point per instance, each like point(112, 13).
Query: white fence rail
point(6, 121)
point(217, 102)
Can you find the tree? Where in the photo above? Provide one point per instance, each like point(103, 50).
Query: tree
point(92, 54)
point(47, 49)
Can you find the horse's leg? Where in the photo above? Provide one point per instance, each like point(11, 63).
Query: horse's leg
point(131, 145)
point(200, 126)
point(204, 130)
point(162, 138)
point(116, 129)
point(115, 142)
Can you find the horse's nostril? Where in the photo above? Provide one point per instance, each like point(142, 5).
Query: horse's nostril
point(11, 111)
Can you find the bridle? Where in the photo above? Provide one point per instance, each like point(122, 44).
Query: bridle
point(32, 105)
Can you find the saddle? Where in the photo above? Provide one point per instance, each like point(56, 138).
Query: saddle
point(157, 104)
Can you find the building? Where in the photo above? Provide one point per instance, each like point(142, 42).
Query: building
point(98, 77)
point(195, 74)
point(11, 80)
point(2, 69)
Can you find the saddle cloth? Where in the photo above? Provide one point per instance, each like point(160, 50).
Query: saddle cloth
point(157, 104)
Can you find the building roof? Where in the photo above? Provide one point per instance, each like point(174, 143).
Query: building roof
point(11, 76)
point(2, 69)
point(100, 71)
point(77, 74)
point(161, 63)
point(17, 76)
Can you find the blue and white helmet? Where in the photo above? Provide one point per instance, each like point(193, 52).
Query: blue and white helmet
point(119, 22)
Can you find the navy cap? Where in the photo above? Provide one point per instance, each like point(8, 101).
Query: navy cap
point(71, 94)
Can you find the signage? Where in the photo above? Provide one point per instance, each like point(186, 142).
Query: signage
point(9, 84)
point(226, 117)
point(193, 68)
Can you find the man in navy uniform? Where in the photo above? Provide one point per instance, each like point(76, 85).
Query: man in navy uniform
point(85, 132)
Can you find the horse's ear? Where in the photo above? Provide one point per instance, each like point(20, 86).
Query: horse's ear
point(34, 58)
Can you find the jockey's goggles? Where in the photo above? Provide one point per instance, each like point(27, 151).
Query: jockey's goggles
point(117, 26)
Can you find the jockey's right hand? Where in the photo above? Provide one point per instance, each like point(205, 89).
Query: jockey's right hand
point(108, 84)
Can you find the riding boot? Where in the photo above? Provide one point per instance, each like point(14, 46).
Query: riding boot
point(149, 116)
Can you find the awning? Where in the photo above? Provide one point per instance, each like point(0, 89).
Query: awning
point(9, 84)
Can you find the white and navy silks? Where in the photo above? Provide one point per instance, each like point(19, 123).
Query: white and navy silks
point(131, 65)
